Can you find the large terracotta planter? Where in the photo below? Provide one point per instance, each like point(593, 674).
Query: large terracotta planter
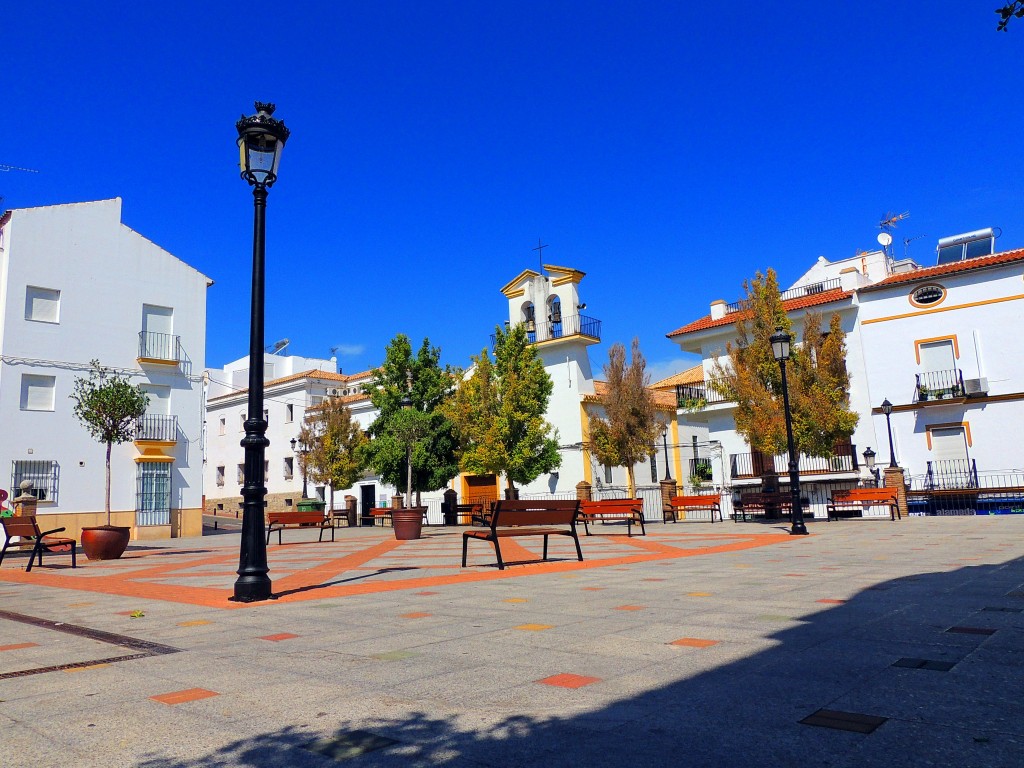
point(408, 523)
point(105, 542)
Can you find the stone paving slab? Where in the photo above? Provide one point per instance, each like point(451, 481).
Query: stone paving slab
point(701, 646)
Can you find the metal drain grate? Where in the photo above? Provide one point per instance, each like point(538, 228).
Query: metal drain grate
point(147, 648)
point(935, 666)
point(844, 721)
point(971, 631)
point(1004, 610)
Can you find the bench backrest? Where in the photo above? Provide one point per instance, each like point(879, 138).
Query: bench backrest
point(765, 498)
point(24, 525)
point(613, 505)
point(873, 495)
point(469, 509)
point(295, 517)
point(536, 512)
point(694, 502)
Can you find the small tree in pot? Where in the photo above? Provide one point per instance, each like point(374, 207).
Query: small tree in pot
point(109, 406)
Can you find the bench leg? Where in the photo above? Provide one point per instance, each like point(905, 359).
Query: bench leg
point(269, 529)
point(3, 551)
point(465, 543)
point(497, 553)
point(576, 541)
point(586, 528)
point(36, 550)
point(73, 564)
point(545, 546)
point(643, 530)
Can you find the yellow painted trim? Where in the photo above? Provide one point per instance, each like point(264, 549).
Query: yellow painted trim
point(919, 342)
point(563, 280)
point(568, 337)
point(588, 472)
point(910, 296)
point(156, 361)
point(156, 443)
point(573, 275)
point(675, 442)
point(943, 309)
point(516, 294)
point(154, 459)
point(510, 286)
point(951, 424)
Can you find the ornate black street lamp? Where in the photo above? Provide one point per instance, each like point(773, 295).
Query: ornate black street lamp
point(302, 451)
point(664, 441)
point(887, 410)
point(780, 341)
point(406, 403)
point(260, 141)
point(869, 460)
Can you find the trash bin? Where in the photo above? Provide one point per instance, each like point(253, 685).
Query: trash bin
point(311, 505)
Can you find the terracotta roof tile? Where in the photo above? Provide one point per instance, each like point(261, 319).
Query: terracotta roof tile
point(790, 305)
point(982, 262)
point(689, 376)
point(310, 374)
point(664, 400)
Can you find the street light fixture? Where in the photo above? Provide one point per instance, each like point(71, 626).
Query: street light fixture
point(664, 442)
point(406, 404)
point(261, 139)
point(781, 341)
point(869, 460)
point(302, 450)
point(887, 410)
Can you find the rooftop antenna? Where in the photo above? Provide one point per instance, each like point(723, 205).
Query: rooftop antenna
point(6, 168)
point(277, 346)
point(540, 254)
point(906, 244)
point(334, 351)
point(890, 220)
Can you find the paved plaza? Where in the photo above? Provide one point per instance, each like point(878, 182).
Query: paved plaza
point(867, 643)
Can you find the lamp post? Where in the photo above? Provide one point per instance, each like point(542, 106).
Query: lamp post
point(406, 404)
point(780, 341)
point(302, 450)
point(869, 460)
point(887, 410)
point(664, 442)
point(261, 139)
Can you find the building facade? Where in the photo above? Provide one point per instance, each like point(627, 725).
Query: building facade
point(78, 285)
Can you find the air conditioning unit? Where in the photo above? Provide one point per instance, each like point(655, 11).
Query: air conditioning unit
point(976, 387)
point(333, 391)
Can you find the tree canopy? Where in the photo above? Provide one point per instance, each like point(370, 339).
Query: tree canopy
point(499, 412)
point(1014, 10)
point(109, 407)
point(434, 455)
point(335, 445)
point(819, 384)
point(631, 425)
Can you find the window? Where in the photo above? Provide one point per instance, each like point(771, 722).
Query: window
point(289, 467)
point(241, 422)
point(927, 295)
point(950, 465)
point(316, 399)
point(37, 392)
point(654, 467)
point(289, 413)
point(266, 415)
point(607, 475)
point(157, 341)
point(223, 425)
point(153, 497)
point(241, 474)
point(42, 304)
point(220, 475)
point(44, 476)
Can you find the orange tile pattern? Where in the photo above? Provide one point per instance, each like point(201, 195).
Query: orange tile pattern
point(694, 642)
point(17, 646)
point(181, 697)
point(368, 564)
point(279, 637)
point(568, 680)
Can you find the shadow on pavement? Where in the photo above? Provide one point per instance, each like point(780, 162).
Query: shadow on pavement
point(878, 654)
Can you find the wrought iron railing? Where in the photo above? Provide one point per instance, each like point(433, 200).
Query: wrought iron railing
point(951, 473)
point(568, 325)
point(44, 476)
point(938, 385)
point(746, 465)
point(700, 468)
point(159, 346)
point(795, 293)
point(157, 427)
point(694, 397)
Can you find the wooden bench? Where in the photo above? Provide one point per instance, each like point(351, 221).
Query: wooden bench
point(856, 500)
point(527, 518)
point(760, 503)
point(27, 530)
point(278, 521)
point(470, 514)
point(680, 506)
point(630, 510)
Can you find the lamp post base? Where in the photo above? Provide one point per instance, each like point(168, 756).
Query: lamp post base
point(252, 590)
point(798, 529)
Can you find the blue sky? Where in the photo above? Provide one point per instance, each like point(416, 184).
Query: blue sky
point(668, 151)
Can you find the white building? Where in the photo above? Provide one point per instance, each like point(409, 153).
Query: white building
point(915, 336)
point(76, 284)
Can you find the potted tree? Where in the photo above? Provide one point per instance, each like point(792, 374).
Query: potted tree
point(109, 406)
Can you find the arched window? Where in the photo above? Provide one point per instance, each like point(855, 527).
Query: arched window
point(555, 316)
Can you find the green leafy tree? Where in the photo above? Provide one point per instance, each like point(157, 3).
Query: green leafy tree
point(819, 384)
point(336, 446)
point(435, 446)
point(109, 406)
point(499, 412)
point(631, 424)
point(1014, 10)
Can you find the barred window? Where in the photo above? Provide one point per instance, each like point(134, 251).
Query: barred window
point(654, 467)
point(44, 476)
point(220, 475)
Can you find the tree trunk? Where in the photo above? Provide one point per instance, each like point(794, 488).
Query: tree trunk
point(630, 482)
point(107, 494)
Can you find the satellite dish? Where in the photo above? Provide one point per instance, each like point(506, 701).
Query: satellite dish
point(884, 239)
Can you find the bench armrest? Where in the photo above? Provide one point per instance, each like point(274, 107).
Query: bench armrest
point(55, 530)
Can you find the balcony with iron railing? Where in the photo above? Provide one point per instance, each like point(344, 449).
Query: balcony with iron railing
point(161, 348)
point(567, 326)
point(750, 465)
point(951, 474)
point(696, 397)
point(795, 293)
point(939, 385)
point(156, 428)
point(700, 469)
